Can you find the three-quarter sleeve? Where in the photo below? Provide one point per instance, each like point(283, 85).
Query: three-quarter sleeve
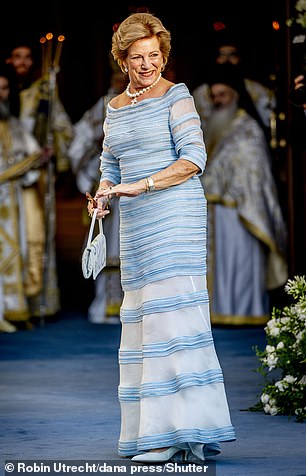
point(187, 132)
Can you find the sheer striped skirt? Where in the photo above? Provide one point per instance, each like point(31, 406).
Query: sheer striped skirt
point(171, 388)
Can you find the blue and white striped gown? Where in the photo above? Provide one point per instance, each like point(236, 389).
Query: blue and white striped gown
point(171, 388)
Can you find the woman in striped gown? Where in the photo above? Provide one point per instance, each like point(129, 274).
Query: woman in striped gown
point(171, 390)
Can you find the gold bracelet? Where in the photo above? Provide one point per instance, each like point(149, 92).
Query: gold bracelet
point(150, 186)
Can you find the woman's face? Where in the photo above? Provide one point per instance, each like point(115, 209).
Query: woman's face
point(144, 62)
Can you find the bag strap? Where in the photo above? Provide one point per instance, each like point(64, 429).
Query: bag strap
point(92, 226)
point(100, 225)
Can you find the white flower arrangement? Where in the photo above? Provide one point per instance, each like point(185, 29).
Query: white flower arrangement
point(283, 361)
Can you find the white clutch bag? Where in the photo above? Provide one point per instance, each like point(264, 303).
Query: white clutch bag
point(94, 254)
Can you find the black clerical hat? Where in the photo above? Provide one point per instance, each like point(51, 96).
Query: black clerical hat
point(228, 74)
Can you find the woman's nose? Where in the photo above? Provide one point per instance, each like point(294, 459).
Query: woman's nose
point(146, 62)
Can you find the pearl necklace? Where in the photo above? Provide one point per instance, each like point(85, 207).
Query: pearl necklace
point(134, 96)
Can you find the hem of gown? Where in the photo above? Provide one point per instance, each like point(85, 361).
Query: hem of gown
point(192, 452)
point(17, 316)
point(132, 448)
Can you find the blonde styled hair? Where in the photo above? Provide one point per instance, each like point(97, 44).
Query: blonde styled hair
point(136, 27)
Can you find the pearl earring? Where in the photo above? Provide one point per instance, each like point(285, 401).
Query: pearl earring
point(126, 70)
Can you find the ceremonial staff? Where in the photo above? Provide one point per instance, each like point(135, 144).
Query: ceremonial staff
point(50, 69)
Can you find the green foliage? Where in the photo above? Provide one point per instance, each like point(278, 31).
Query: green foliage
point(300, 18)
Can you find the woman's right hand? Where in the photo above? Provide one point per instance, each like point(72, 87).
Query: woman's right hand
point(100, 203)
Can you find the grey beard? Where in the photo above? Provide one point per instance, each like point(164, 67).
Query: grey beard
point(218, 123)
point(4, 110)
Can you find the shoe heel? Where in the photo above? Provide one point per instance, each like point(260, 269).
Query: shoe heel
point(180, 457)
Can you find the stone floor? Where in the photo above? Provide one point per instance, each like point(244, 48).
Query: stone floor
point(58, 399)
